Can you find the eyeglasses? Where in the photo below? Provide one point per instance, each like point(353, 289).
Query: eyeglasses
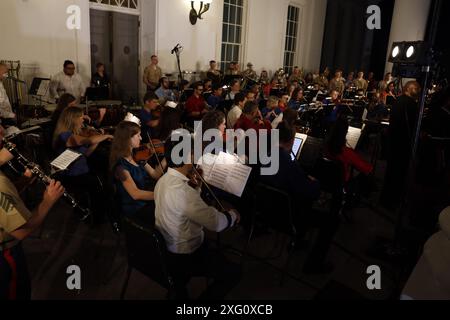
point(200, 89)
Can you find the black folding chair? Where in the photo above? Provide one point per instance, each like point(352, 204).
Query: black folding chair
point(146, 252)
point(331, 177)
point(274, 208)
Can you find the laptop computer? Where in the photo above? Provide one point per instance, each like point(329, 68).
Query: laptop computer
point(298, 146)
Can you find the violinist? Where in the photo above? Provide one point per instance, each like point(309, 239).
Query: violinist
point(147, 115)
point(78, 178)
point(181, 217)
point(131, 178)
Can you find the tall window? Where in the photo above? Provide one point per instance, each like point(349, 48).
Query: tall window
point(291, 38)
point(128, 4)
point(232, 32)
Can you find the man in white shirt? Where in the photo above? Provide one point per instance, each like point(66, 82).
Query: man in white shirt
point(6, 111)
point(181, 216)
point(67, 81)
point(236, 111)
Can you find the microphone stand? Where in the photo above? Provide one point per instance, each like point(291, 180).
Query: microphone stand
point(180, 73)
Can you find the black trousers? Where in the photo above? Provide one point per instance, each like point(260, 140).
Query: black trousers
point(14, 277)
point(204, 262)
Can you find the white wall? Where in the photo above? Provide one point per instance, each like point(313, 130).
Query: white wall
point(34, 32)
point(409, 22)
point(263, 42)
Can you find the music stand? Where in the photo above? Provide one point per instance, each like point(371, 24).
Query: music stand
point(229, 78)
point(39, 88)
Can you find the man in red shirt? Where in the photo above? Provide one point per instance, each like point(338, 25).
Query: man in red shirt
point(252, 118)
point(196, 104)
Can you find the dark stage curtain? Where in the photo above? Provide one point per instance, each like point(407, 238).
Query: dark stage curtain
point(348, 44)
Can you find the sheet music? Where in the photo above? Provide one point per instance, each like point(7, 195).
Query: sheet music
point(43, 88)
point(226, 173)
point(65, 159)
point(353, 137)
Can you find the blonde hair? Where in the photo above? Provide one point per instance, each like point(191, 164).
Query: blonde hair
point(121, 146)
point(67, 122)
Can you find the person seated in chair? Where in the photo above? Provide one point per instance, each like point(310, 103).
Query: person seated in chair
point(131, 178)
point(196, 106)
point(68, 135)
point(304, 190)
point(148, 121)
point(337, 150)
point(181, 216)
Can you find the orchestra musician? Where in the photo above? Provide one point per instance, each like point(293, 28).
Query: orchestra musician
point(6, 113)
point(16, 224)
point(170, 120)
point(233, 69)
point(272, 110)
point(181, 217)
point(196, 106)
point(235, 88)
point(360, 83)
point(67, 81)
point(69, 134)
point(216, 98)
point(337, 149)
point(147, 116)
point(101, 81)
point(213, 74)
point(249, 73)
point(322, 80)
point(298, 100)
point(337, 83)
point(164, 92)
point(236, 111)
point(303, 191)
point(152, 74)
point(252, 118)
point(132, 179)
point(296, 76)
point(264, 78)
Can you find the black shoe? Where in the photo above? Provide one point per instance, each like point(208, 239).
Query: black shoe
point(323, 268)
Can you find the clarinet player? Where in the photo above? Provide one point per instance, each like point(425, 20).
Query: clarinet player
point(16, 224)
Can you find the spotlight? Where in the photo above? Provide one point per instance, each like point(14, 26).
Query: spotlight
point(395, 52)
point(414, 52)
point(410, 52)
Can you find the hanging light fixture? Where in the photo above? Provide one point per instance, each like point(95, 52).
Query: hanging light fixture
point(203, 7)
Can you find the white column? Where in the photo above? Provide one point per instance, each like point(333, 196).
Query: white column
point(409, 22)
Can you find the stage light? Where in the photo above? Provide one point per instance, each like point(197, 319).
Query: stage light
point(410, 52)
point(395, 52)
point(413, 52)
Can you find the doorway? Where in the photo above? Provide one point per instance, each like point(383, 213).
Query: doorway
point(115, 43)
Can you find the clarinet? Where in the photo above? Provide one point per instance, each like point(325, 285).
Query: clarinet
point(40, 174)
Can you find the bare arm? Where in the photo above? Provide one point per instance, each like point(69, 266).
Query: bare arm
point(130, 186)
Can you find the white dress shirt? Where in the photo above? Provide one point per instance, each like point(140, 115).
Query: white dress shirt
point(6, 111)
point(62, 83)
point(233, 116)
point(181, 214)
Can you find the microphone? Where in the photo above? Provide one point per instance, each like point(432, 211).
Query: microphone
point(15, 79)
point(177, 47)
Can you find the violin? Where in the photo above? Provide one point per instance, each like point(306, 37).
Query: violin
point(145, 152)
point(88, 132)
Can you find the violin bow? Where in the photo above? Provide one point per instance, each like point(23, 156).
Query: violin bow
point(209, 189)
point(154, 150)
